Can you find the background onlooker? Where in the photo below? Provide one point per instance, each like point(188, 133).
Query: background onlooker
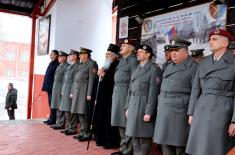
point(11, 99)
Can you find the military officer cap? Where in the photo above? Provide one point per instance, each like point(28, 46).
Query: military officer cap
point(223, 33)
point(167, 48)
point(232, 45)
point(55, 51)
point(146, 48)
point(62, 53)
point(113, 48)
point(197, 52)
point(128, 41)
point(84, 50)
point(72, 51)
point(177, 43)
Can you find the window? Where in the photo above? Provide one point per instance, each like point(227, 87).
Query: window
point(24, 74)
point(9, 73)
point(10, 56)
point(24, 57)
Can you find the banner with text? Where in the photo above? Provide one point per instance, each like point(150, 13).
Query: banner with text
point(193, 24)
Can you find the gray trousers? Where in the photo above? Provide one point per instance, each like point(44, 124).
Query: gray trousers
point(83, 119)
point(173, 150)
point(71, 122)
point(142, 146)
point(126, 142)
point(60, 118)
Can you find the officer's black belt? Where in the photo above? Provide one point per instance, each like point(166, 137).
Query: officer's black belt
point(218, 92)
point(139, 93)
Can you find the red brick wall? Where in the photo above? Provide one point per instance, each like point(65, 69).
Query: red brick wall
point(16, 64)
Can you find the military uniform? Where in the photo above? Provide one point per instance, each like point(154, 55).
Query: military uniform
point(197, 54)
point(142, 99)
point(212, 104)
point(122, 81)
point(166, 49)
point(57, 85)
point(173, 104)
point(82, 87)
point(172, 126)
point(165, 64)
point(232, 47)
point(66, 100)
point(56, 92)
point(11, 99)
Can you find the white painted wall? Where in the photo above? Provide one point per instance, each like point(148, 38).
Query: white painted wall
point(79, 23)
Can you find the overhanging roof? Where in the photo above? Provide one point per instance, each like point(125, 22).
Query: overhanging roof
point(26, 7)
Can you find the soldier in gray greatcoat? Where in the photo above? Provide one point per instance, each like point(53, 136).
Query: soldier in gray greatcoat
point(122, 79)
point(232, 47)
point(211, 107)
point(167, 57)
point(197, 54)
point(57, 88)
point(11, 98)
point(82, 89)
point(141, 102)
point(66, 101)
point(172, 128)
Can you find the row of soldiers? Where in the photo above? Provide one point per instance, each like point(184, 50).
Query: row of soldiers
point(188, 107)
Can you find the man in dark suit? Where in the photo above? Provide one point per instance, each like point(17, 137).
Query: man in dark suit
point(48, 84)
point(11, 99)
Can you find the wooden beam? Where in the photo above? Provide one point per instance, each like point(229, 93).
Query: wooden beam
point(48, 7)
point(14, 12)
point(31, 67)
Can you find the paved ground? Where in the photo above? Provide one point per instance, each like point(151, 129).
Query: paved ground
point(34, 138)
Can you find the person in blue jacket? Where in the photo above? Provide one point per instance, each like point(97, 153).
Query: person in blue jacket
point(48, 84)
